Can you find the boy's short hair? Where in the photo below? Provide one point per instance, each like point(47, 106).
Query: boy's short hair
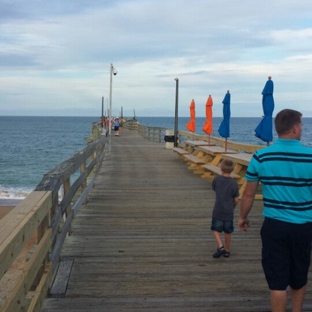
point(227, 165)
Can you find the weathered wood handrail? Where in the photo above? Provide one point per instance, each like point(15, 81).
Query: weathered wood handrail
point(154, 134)
point(157, 134)
point(130, 124)
point(32, 234)
point(237, 146)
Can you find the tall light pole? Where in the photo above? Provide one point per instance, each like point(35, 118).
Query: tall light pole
point(112, 71)
point(176, 113)
point(102, 118)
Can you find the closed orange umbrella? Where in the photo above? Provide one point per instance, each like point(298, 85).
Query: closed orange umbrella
point(207, 128)
point(191, 125)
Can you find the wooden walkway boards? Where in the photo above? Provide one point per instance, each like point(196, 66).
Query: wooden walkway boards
point(143, 241)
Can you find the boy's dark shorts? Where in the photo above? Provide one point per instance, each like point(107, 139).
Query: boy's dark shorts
point(116, 128)
point(286, 251)
point(222, 226)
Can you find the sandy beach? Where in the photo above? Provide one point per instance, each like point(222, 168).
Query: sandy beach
point(6, 205)
point(4, 210)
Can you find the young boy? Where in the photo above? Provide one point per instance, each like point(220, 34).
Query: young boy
point(116, 127)
point(226, 189)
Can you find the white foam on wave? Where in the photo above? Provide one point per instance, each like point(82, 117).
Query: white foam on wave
point(12, 196)
point(14, 193)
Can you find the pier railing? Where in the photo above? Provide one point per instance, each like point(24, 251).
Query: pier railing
point(154, 134)
point(32, 234)
point(157, 134)
point(237, 146)
point(131, 124)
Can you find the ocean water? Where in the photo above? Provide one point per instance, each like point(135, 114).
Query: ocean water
point(31, 146)
point(241, 129)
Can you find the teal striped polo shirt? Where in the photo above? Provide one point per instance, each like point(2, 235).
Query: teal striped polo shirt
point(285, 171)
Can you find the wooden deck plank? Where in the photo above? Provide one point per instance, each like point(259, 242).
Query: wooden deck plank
point(143, 241)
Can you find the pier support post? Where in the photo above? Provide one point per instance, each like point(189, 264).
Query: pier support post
point(176, 113)
point(112, 71)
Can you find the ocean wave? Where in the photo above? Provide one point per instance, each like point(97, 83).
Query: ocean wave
point(14, 193)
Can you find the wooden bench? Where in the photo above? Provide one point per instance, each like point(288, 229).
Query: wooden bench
point(191, 146)
point(211, 171)
point(212, 154)
point(215, 171)
point(195, 163)
point(241, 161)
point(204, 155)
point(181, 152)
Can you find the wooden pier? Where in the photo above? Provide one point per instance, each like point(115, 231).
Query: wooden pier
point(143, 242)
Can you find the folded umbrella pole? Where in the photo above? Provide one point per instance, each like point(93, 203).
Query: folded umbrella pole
point(224, 129)
point(264, 130)
point(207, 128)
point(191, 125)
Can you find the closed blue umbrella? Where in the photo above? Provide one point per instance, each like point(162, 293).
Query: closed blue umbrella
point(264, 130)
point(224, 129)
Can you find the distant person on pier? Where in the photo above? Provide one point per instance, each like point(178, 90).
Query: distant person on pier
point(285, 172)
point(227, 193)
point(120, 124)
point(116, 127)
point(107, 125)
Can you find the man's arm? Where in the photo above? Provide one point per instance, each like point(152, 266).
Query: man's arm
point(246, 204)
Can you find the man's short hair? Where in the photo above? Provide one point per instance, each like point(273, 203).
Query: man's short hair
point(227, 165)
point(286, 119)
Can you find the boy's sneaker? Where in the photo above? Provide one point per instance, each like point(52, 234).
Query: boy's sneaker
point(220, 252)
point(226, 254)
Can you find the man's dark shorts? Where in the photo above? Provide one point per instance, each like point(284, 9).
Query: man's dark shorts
point(222, 226)
point(286, 249)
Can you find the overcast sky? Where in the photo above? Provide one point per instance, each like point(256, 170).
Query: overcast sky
point(55, 56)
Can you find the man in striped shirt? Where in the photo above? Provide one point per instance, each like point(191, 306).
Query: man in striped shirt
point(285, 172)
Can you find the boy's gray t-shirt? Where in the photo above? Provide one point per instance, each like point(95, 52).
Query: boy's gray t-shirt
point(226, 189)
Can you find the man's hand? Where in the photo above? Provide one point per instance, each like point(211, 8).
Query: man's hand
point(243, 224)
point(246, 205)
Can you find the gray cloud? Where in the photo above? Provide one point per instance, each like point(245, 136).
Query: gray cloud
point(60, 51)
point(16, 60)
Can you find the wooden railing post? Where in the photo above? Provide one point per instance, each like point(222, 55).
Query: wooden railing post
point(92, 156)
point(66, 187)
point(84, 182)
